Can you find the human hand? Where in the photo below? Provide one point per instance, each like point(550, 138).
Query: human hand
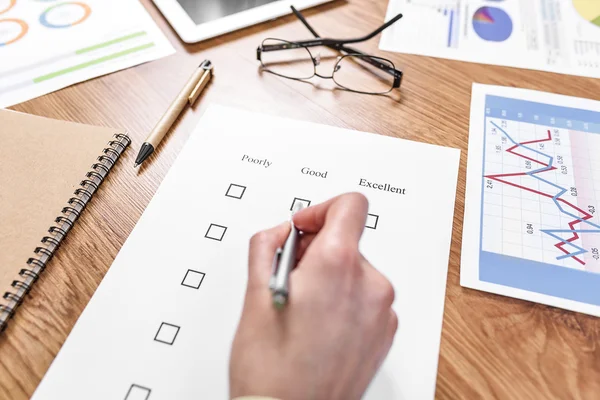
point(338, 324)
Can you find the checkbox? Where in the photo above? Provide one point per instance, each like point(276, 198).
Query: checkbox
point(215, 232)
point(235, 191)
point(137, 392)
point(167, 333)
point(304, 202)
point(372, 220)
point(193, 279)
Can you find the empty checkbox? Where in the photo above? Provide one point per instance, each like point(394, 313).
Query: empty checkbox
point(216, 232)
point(305, 203)
point(137, 392)
point(167, 333)
point(372, 220)
point(235, 191)
point(193, 279)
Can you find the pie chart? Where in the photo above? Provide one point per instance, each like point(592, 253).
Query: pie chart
point(492, 24)
point(589, 10)
point(65, 15)
point(11, 30)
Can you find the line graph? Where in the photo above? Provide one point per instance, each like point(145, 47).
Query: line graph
point(540, 194)
point(534, 159)
point(556, 198)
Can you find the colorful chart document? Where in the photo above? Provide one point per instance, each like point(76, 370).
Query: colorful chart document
point(48, 45)
point(560, 36)
point(532, 210)
point(161, 323)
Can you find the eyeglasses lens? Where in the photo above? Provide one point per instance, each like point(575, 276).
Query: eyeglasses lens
point(291, 63)
point(357, 72)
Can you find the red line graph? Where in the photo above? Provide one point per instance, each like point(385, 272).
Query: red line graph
point(497, 177)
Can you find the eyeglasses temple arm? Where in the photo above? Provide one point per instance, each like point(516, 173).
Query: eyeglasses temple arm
point(343, 48)
point(304, 21)
point(344, 41)
point(375, 32)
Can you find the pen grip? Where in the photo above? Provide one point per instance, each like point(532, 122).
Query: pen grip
point(287, 262)
point(200, 87)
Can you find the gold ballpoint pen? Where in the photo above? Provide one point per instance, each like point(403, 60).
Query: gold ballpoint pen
point(189, 94)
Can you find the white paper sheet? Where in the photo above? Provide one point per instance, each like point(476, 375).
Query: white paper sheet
point(240, 173)
point(46, 46)
point(550, 35)
point(532, 209)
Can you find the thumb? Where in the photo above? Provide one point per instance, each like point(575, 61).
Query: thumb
point(263, 246)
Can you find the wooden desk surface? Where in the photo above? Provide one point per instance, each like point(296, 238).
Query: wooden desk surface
point(492, 346)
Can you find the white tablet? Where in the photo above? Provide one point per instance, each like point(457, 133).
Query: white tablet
point(196, 20)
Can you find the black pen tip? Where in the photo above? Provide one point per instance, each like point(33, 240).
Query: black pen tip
point(144, 153)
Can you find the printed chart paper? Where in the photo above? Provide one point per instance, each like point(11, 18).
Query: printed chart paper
point(532, 211)
point(161, 323)
point(46, 46)
point(560, 36)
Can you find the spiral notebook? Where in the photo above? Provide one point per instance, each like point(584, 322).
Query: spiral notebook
point(49, 171)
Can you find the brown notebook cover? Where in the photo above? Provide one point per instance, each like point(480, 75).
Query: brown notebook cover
point(49, 170)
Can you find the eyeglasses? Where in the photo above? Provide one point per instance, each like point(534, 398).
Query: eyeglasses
point(354, 70)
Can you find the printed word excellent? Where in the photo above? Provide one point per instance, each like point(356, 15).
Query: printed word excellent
point(381, 186)
point(257, 161)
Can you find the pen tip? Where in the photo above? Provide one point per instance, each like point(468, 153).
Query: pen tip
point(135, 165)
point(279, 301)
point(297, 207)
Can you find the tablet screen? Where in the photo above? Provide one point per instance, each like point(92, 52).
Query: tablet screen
point(201, 11)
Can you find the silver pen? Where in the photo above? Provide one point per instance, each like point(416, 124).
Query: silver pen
point(283, 264)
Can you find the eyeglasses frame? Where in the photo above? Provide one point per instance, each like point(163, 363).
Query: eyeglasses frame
point(336, 44)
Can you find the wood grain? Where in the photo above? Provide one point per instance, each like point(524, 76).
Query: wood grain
point(492, 346)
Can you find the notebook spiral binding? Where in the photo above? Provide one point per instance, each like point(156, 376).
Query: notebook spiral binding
point(64, 222)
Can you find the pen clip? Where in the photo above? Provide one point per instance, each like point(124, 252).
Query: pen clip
point(275, 268)
point(207, 68)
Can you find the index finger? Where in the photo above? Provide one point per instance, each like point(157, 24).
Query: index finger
point(344, 215)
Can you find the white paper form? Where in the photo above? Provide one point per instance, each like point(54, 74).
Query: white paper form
point(532, 209)
point(162, 321)
point(560, 36)
point(46, 46)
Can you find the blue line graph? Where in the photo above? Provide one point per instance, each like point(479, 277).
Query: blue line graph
point(554, 232)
